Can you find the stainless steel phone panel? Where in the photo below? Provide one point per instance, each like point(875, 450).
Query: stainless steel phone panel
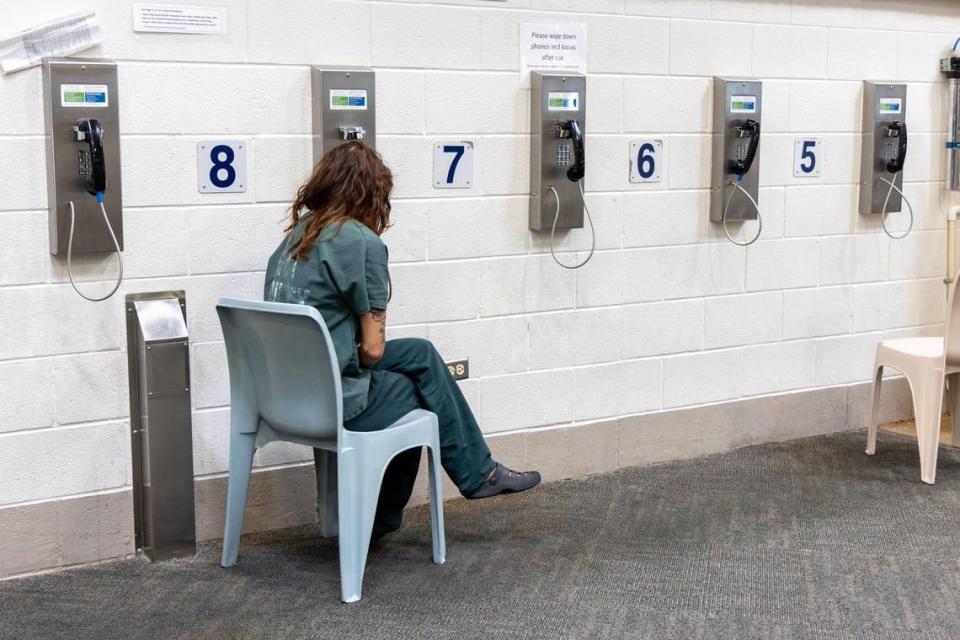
point(551, 155)
point(344, 107)
point(883, 104)
point(65, 180)
point(734, 102)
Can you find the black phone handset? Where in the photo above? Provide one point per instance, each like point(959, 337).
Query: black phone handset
point(898, 130)
point(90, 130)
point(740, 166)
point(571, 129)
point(94, 170)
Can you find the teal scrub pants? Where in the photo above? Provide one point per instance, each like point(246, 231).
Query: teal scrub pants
point(412, 375)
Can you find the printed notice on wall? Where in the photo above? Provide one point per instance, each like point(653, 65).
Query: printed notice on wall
point(552, 47)
point(177, 18)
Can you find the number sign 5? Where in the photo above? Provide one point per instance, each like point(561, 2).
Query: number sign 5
point(806, 160)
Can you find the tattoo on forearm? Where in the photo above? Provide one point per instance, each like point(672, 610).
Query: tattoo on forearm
point(380, 316)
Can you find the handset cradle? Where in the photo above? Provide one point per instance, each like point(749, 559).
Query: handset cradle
point(897, 130)
point(749, 129)
point(571, 129)
point(90, 130)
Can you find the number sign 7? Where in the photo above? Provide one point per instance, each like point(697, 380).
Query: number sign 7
point(453, 165)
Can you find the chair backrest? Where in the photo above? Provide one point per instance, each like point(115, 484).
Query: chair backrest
point(951, 329)
point(283, 367)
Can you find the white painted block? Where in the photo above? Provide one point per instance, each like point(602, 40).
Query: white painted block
point(233, 238)
point(825, 107)
point(24, 248)
point(660, 327)
point(282, 164)
point(827, 13)
point(26, 395)
point(854, 258)
point(618, 389)
point(21, 102)
point(309, 32)
point(789, 52)
point(698, 378)
point(620, 277)
point(50, 463)
point(771, 368)
point(599, 6)
point(568, 338)
point(411, 161)
point(606, 106)
point(500, 105)
point(885, 305)
point(606, 210)
point(504, 165)
point(236, 100)
point(476, 227)
point(91, 387)
point(922, 254)
point(776, 105)
point(706, 269)
point(845, 359)
point(524, 285)
point(821, 210)
point(402, 95)
point(203, 293)
point(408, 331)
point(783, 264)
point(704, 48)
point(772, 201)
point(841, 158)
point(525, 400)
point(736, 320)
point(667, 105)
point(211, 441)
point(896, 16)
point(500, 38)
point(669, 8)
point(657, 218)
point(823, 311)
point(495, 347)
point(688, 161)
point(46, 320)
point(774, 11)
point(422, 36)
point(209, 375)
point(929, 302)
point(915, 51)
point(857, 54)
point(407, 236)
point(429, 292)
point(24, 164)
point(616, 45)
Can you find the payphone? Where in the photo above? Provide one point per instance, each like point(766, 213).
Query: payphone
point(344, 107)
point(884, 152)
point(557, 161)
point(735, 177)
point(83, 161)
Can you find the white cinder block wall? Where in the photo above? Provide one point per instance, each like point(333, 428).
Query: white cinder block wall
point(667, 315)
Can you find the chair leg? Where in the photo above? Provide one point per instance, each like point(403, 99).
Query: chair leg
point(927, 409)
point(357, 500)
point(436, 505)
point(874, 411)
point(326, 466)
point(242, 446)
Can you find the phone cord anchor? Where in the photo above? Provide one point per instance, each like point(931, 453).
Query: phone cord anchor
point(553, 227)
point(352, 133)
point(726, 205)
point(884, 213)
point(116, 245)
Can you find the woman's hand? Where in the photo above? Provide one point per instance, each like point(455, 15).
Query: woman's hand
point(373, 336)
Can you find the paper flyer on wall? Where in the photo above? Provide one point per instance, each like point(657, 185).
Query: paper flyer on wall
point(56, 38)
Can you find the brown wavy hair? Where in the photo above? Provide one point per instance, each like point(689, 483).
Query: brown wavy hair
point(350, 182)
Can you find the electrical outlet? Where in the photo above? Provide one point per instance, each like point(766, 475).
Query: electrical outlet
point(459, 369)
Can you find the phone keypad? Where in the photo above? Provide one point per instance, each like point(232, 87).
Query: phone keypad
point(564, 154)
point(83, 163)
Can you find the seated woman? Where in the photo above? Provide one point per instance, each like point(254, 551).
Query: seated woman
point(333, 259)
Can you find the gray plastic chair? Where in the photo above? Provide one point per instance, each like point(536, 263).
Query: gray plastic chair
point(285, 385)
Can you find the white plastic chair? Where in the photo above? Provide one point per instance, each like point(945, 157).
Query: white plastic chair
point(285, 385)
point(928, 364)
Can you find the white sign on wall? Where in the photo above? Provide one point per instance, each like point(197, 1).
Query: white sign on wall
point(178, 18)
point(806, 157)
point(646, 158)
point(552, 47)
point(453, 165)
point(222, 166)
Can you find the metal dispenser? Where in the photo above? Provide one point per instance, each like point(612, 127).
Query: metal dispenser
point(950, 67)
point(556, 148)
point(158, 360)
point(344, 107)
point(77, 91)
point(735, 177)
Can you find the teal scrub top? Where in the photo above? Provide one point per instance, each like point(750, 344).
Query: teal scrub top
point(345, 277)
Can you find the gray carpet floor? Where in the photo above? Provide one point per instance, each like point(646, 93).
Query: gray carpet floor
point(805, 539)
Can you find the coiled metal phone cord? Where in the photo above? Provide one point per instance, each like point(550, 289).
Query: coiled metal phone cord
point(723, 217)
point(553, 228)
point(886, 201)
point(116, 245)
